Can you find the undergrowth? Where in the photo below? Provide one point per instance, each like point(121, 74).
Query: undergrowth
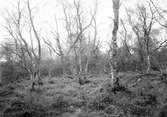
point(147, 98)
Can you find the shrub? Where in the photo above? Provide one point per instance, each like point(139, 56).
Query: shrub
point(62, 104)
point(11, 72)
point(22, 109)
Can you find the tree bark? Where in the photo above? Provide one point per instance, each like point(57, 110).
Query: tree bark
point(113, 58)
point(32, 78)
point(87, 66)
point(80, 64)
point(63, 65)
point(148, 63)
point(80, 56)
point(38, 57)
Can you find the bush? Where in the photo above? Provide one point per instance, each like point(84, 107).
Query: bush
point(57, 70)
point(62, 104)
point(22, 109)
point(11, 72)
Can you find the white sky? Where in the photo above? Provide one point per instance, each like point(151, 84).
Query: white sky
point(46, 10)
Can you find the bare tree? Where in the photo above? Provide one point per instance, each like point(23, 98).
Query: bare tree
point(37, 37)
point(81, 28)
point(76, 26)
point(146, 25)
point(59, 49)
point(124, 35)
point(92, 47)
point(142, 28)
point(113, 57)
point(139, 42)
point(19, 28)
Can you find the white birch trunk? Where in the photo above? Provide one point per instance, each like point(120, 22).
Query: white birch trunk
point(113, 58)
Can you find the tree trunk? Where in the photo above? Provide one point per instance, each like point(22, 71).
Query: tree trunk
point(49, 74)
point(63, 65)
point(80, 57)
point(75, 64)
point(38, 71)
point(86, 66)
point(148, 63)
point(32, 77)
point(113, 58)
point(80, 64)
point(35, 76)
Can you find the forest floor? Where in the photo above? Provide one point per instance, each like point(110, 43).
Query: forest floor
point(139, 95)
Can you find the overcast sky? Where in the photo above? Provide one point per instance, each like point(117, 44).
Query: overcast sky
point(46, 10)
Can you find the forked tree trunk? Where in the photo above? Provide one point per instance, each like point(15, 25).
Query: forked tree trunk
point(38, 56)
point(35, 76)
point(113, 58)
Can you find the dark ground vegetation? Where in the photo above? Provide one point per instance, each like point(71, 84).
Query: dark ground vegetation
point(137, 95)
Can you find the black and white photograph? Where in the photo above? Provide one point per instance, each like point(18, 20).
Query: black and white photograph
point(83, 58)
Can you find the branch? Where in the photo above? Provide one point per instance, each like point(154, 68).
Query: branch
point(34, 30)
point(160, 45)
point(82, 29)
point(49, 44)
